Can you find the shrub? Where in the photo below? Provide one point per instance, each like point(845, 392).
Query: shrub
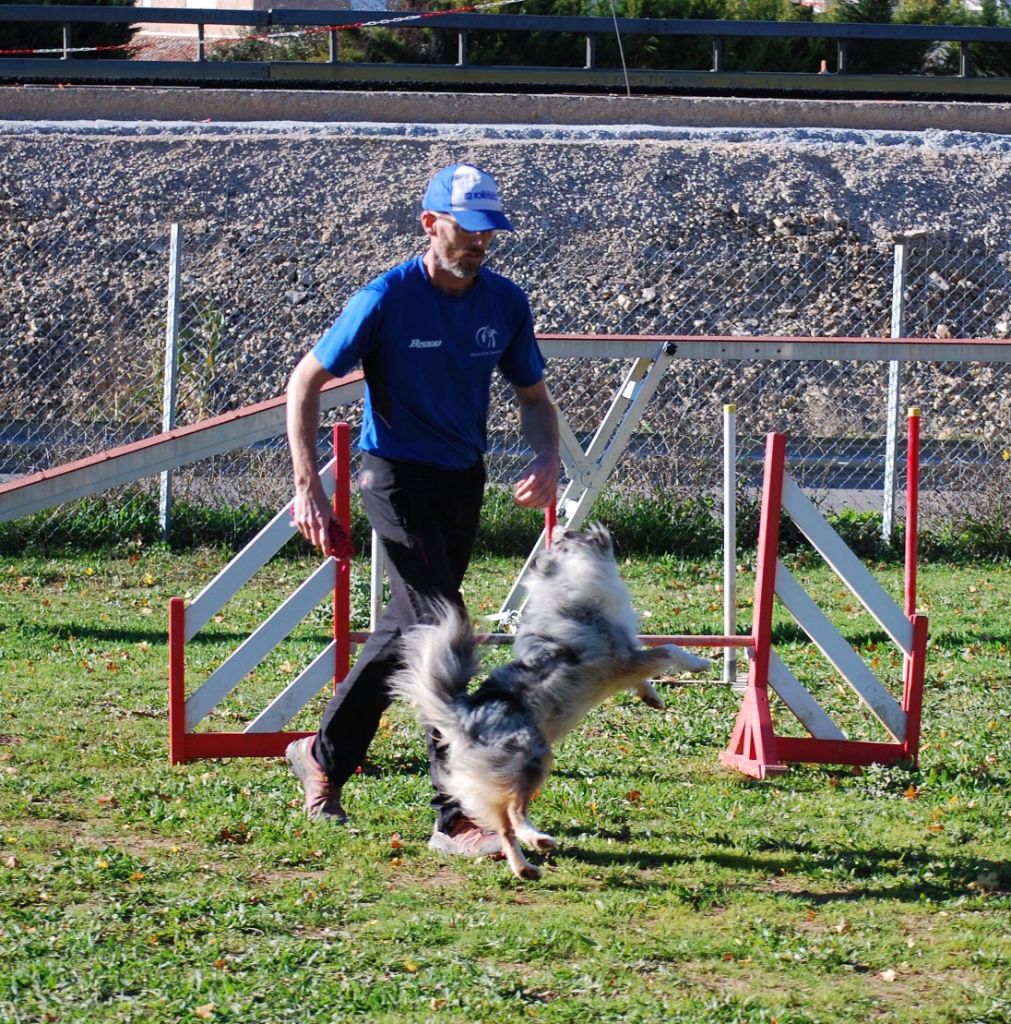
point(690, 528)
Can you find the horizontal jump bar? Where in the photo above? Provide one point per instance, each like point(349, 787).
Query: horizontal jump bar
point(649, 640)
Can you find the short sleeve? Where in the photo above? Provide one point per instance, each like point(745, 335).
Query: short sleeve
point(522, 363)
point(349, 339)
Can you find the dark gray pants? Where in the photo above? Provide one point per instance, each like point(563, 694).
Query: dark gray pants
point(426, 518)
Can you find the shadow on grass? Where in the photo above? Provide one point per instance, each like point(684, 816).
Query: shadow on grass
point(903, 875)
point(47, 634)
point(786, 633)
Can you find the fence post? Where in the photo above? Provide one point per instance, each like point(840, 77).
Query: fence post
point(730, 539)
point(168, 416)
point(903, 240)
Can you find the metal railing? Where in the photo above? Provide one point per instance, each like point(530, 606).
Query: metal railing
point(463, 72)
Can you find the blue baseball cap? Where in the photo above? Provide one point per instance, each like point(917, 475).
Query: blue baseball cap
point(469, 195)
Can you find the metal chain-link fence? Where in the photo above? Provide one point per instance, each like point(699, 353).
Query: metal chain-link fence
point(83, 334)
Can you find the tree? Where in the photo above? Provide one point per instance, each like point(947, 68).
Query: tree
point(892, 56)
point(992, 59)
point(45, 36)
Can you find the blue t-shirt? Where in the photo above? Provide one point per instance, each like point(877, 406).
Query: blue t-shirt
point(428, 359)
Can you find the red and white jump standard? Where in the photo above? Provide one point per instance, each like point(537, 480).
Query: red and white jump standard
point(755, 749)
point(264, 736)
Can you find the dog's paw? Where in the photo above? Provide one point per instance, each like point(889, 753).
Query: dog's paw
point(684, 660)
point(544, 842)
point(529, 873)
point(648, 695)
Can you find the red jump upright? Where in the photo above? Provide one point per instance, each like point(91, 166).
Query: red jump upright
point(264, 736)
point(755, 748)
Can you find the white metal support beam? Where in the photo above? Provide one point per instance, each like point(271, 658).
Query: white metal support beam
point(588, 471)
point(253, 557)
point(847, 662)
point(260, 643)
point(847, 566)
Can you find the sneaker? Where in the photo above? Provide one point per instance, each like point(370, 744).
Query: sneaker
point(322, 798)
point(465, 839)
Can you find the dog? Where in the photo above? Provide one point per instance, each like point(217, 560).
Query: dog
point(576, 645)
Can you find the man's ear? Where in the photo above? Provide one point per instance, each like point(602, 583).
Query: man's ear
point(428, 219)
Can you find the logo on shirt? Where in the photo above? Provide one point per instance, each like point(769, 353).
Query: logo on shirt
point(419, 343)
point(486, 337)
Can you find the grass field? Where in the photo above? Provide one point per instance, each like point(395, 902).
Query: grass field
point(131, 890)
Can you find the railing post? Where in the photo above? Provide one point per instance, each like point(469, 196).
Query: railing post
point(66, 42)
point(334, 47)
point(591, 52)
point(963, 60)
point(463, 46)
point(200, 42)
point(842, 57)
point(717, 53)
point(168, 416)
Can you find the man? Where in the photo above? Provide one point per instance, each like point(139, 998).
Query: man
point(429, 334)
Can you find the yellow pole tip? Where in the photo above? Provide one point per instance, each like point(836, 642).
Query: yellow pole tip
point(730, 408)
point(914, 410)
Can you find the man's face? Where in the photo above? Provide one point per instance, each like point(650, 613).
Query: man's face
point(457, 251)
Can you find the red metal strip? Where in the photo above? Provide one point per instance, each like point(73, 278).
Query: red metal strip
point(912, 696)
point(807, 749)
point(767, 554)
point(912, 508)
point(239, 744)
point(342, 579)
point(177, 679)
point(753, 746)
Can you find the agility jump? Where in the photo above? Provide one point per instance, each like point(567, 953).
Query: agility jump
point(754, 749)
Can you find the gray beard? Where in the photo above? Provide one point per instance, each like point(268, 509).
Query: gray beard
point(456, 269)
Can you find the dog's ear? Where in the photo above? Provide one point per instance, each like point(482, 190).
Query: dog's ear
point(599, 536)
point(545, 564)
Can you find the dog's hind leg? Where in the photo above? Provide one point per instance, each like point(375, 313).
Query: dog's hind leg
point(525, 831)
point(521, 867)
point(644, 664)
point(684, 660)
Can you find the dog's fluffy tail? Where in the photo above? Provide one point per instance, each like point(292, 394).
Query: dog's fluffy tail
point(438, 662)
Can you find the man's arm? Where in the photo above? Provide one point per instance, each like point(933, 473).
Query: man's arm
point(538, 484)
point(311, 511)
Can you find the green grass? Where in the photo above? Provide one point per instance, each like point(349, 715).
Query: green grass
point(131, 890)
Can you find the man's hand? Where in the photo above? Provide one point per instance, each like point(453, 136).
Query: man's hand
point(310, 511)
point(537, 487)
point(314, 519)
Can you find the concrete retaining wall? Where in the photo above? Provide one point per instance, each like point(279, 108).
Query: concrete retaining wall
point(131, 103)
